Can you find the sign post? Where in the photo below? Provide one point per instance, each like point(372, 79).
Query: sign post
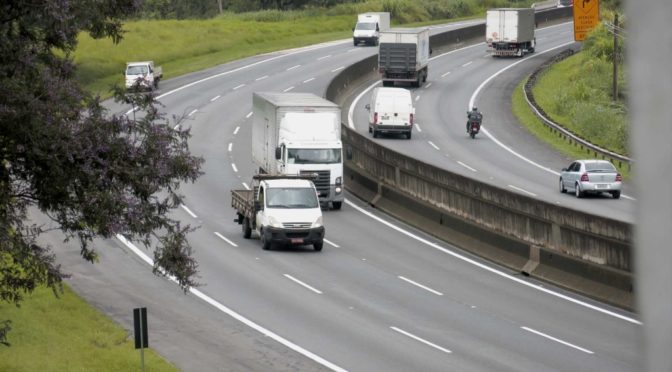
point(586, 17)
point(141, 334)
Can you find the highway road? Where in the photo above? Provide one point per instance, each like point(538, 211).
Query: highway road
point(381, 296)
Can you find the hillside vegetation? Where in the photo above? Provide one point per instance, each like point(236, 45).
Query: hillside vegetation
point(183, 46)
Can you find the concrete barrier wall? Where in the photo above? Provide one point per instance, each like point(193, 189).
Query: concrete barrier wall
point(587, 253)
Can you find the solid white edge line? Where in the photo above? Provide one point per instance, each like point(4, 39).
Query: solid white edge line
point(237, 316)
point(420, 285)
point(230, 146)
point(235, 131)
point(248, 115)
point(213, 99)
point(351, 123)
point(433, 145)
point(225, 239)
point(557, 340)
point(522, 190)
point(188, 211)
point(332, 243)
point(297, 281)
point(233, 165)
point(246, 186)
point(493, 270)
point(466, 166)
point(421, 340)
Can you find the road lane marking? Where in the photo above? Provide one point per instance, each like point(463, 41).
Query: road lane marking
point(466, 166)
point(188, 211)
point(324, 57)
point(351, 122)
point(557, 340)
point(308, 80)
point(433, 145)
point(338, 69)
point(246, 186)
point(467, 64)
point(352, 50)
point(261, 78)
point(230, 146)
point(446, 74)
point(435, 346)
point(293, 67)
point(420, 286)
point(213, 99)
point(219, 306)
point(417, 127)
point(332, 243)
point(522, 190)
point(297, 281)
point(193, 112)
point(288, 89)
point(233, 165)
point(417, 98)
point(248, 115)
point(490, 269)
point(235, 131)
point(428, 85)
point(225, 239)
point(238, 87)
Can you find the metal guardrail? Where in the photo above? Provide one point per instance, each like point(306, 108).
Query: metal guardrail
point(553, 126)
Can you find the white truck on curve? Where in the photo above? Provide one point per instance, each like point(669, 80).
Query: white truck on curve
point(369, 26)
point(510, 31)
point(403, 55)
point(281, 209)
point(144, 74)
point(300, 134)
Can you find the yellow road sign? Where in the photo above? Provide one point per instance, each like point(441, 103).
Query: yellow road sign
point(586, 17)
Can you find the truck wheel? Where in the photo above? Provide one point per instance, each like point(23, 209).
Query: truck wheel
point(337, 205)
point(375, 133)
point(265, 244)
point(318, 246)
point(408, 135)
point(354, 42)
point(247, 229)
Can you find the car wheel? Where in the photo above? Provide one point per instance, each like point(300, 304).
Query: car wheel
point(337, 205)
point(375, 133)
point(369, 129)
point(616, 194)
point(562, 187)
point(318, 246)
point(265, 244)
point(577, 191)
point(247, 229)
point(408, 135)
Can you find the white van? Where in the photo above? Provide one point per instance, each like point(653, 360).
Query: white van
point(391, 111)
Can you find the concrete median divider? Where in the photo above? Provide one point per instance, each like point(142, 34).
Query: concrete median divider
point(583, 252)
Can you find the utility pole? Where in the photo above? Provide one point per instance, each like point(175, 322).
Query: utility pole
point(615, 58)
point(220, 6)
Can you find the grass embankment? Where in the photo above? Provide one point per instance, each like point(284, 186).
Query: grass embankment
point(183, 46)
point(66, 334)
point(577, 94)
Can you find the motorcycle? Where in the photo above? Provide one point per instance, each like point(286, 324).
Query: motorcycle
point(474, 128)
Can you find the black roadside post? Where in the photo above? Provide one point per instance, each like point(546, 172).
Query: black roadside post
point(141, 334)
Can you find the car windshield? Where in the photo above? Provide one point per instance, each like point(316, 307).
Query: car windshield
point(291, 197)
point(313, 156)
point(365, 26)
point(136, 70)
point(600, 167)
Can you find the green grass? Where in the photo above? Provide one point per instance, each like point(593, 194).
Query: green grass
point(529, 120)
point(66, 334)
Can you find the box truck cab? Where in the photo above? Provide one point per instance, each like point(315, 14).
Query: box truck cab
point(300, 134)
point(369, 26)
point(391, 111)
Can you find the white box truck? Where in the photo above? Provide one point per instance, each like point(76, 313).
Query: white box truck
point(144, 74)
point(300, 134)
point(369, 26)
point(510, 31)
point(403, 55)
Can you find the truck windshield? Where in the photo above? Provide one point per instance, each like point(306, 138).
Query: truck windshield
point(365, 26)
point(291, 198)
point(313, 156)
point(136, 70)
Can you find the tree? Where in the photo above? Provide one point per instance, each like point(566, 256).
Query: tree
point(93, 174)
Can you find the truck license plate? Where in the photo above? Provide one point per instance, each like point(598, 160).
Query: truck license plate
point(297, 241)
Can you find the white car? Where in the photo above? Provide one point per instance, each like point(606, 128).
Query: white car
point(591, 176)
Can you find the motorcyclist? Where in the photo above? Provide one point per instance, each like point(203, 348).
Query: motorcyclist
point(474, 115)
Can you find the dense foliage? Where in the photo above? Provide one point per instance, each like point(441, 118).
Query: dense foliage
point(62, 155)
